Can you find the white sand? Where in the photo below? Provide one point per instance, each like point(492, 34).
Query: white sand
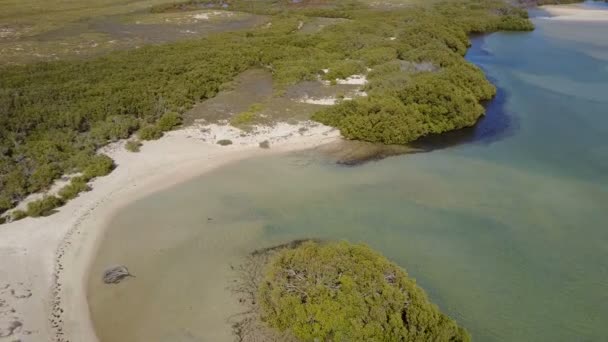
point(351, 80)
point(322, 101)
point(331, 100)
point(44, 261)
point(354, 80)
point(575, 12)
point(211, 14)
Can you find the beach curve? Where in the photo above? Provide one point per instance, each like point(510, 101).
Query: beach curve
point(47, 259)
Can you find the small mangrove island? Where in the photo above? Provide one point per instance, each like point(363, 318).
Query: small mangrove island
point(335, 291)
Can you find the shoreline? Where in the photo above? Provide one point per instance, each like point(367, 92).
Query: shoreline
point(47, 260)
point(51, 256)
point(575, 12)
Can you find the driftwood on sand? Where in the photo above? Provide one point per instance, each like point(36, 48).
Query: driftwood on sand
point(116, 274)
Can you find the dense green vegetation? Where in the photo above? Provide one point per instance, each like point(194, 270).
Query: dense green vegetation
point(403, 105)
point(55, 116)
point(76, 186)
point(325, 8)
point(133, 145)
point(345, 292)
point(43, 207)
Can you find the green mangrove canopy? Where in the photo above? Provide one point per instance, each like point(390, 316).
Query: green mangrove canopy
point(345, 292)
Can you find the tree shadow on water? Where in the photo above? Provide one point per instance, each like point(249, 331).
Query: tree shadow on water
point(496, 125)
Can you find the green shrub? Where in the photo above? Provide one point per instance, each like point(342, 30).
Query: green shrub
point(5, 203)
point(133, 145)
point(76, 186)
point(468, 76)
point(256, 107)
point(515, 23)
point(44, 206)
point(17, 215)
point(14, 185)
point(113, 128)
point(433, 31)
point(224, 142)
point(344, 292)
point(445, 105)
point(150, 132)
point(168, 121)
point(265, 144)
point(434, 51)
point(247, 117)
point(99, 165)
point(344, 69)
point(376, 119)
point(243, 118)
point(43, 177)
point(377, 55)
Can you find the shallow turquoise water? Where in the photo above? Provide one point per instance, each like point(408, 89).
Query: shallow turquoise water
point(508, 232)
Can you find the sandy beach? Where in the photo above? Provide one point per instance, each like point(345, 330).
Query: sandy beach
point(576, 12)
point(44, 261)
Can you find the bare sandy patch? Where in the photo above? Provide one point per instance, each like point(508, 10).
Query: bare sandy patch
point(575, 13)
point(212, 14)
point(331, 100)
point(354, 80)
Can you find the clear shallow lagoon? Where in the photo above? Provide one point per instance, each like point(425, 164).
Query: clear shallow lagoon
point(507, 232)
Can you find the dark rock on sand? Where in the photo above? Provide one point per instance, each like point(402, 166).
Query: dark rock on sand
point(116, 274)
